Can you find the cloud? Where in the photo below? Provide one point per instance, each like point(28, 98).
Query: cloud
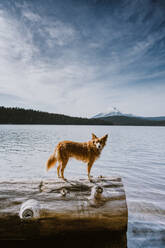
point(36, 81)
point(33, 17)
point(84, 65)
point(16, 53)
point(59, 33)
point(15, 44)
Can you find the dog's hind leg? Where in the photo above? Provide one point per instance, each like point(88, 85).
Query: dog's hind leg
point(63, 165)
point(58, 170)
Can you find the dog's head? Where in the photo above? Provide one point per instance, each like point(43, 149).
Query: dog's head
point(99, 143)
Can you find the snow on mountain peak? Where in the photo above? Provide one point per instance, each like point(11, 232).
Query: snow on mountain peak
point(113, 111)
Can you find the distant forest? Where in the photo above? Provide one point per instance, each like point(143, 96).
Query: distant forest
point(29, 116)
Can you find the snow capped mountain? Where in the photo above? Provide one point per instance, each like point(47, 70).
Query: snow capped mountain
point(116, 112)
point(111, 112)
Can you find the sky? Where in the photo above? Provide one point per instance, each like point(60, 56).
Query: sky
point(81, 57)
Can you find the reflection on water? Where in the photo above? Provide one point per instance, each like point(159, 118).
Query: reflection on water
point(134, 153)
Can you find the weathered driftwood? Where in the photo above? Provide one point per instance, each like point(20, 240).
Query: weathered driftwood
point(71, 206)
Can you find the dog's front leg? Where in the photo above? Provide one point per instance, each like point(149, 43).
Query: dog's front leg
point(89, 166)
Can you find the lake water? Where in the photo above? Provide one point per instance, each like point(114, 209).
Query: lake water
point(137, 154)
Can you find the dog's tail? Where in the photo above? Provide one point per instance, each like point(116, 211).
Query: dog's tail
point(51, 162)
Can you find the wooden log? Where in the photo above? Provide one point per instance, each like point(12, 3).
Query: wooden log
point(66, 207)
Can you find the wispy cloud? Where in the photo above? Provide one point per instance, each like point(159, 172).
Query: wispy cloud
point(31, 16)
point(59, 33)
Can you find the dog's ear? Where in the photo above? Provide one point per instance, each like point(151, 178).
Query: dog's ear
point(94, 136)
point(104, 138)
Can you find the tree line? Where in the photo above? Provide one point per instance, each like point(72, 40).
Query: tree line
point(28, 116)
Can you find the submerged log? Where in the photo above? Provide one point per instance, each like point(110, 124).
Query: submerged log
point(58, 207)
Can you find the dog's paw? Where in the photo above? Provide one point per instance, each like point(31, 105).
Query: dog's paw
point(91, 179)
point(63, 178)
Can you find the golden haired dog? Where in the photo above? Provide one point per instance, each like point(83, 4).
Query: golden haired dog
point(87, 152)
